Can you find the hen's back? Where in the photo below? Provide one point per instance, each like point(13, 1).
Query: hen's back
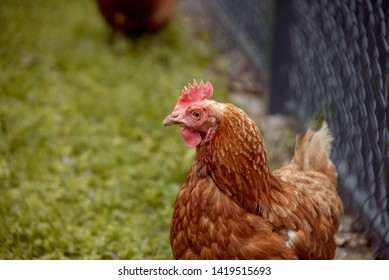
point(313, 177)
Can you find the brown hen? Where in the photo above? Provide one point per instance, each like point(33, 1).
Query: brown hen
point(232, 206)
point(134, 17)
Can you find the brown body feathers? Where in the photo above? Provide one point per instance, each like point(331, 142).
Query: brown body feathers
point(232, 206)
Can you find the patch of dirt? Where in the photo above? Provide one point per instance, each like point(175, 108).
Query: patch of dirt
point(352, 245)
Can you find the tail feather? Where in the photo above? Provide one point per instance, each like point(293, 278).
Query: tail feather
point(313, 152)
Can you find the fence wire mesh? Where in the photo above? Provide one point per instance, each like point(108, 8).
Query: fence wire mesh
point(339, 68)
point(330, 58)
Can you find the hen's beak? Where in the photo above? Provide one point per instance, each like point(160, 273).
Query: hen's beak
point(172, 120)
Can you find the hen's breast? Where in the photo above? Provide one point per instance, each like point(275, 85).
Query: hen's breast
point(207, 224)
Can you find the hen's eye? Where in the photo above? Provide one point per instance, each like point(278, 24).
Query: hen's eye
point(197, 114)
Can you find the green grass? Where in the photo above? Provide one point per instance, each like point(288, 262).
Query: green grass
point(86, 169)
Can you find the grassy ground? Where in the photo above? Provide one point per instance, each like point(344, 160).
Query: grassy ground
point(86, 170)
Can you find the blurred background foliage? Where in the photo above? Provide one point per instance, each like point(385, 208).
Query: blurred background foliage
point(86, 169)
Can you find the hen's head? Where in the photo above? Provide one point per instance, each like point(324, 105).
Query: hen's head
point(196, 114)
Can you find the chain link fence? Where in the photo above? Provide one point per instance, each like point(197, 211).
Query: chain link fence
point(328, 58)
point(338, 68)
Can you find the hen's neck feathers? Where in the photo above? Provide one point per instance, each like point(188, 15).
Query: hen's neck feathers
point(236, 160)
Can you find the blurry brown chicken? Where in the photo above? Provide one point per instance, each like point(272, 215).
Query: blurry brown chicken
point(232, 206)
point(134, 17)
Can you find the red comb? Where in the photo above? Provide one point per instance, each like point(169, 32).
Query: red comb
point(194, 93)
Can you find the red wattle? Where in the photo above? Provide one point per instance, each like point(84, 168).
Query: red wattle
point(191, 138)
